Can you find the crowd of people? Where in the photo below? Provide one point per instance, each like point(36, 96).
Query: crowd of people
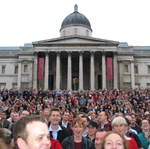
point(88, 119)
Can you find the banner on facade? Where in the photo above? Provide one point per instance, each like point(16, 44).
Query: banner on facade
point(109, 68)
point(40, 68)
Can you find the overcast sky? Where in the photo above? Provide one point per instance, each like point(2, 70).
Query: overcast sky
point(25, 21)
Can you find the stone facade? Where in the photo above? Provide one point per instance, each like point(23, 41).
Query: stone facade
point(75, 61)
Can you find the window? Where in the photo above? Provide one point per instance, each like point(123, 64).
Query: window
point(64, 33)
point(2, 86)
point(14, 85)
point(137, 85)
point(126, 68)
point(16, 69)
point(87, 32)
point(148, 69)
point(25, 68)
point(136, 69)
point(148, 85)
point(25, 85)
point(127, 84)
point(3, 69)
point(75, 30)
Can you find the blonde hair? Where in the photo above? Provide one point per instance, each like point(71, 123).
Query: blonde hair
point(119, 121)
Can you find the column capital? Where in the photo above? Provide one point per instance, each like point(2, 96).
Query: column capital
point(132, 61)
point(69, 52)
point(92, 52)
point(35, 53)
point(46, 53)
point(81, 52)
point(58, 52)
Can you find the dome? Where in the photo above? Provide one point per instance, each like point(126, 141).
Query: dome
point(76, 19)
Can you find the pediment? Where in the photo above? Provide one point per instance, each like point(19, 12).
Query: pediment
point(75, 40)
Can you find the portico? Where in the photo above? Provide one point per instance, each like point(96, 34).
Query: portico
point(74, 70)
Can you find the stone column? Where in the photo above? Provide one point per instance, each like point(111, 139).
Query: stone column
point(46, 71)
point(69, 72)
point(19, 75)
point(103, 72)
point(92, 72)
point(81, 71)
point(132, 75)
point(35, 67)
point(120, 64)
point(58, 71)
point(115, 70)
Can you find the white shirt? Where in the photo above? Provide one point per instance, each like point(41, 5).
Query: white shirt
point(54, 132)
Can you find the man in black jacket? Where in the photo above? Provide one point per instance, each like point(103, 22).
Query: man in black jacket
point(57, 131)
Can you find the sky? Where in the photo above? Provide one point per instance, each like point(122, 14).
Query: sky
point(26, 21)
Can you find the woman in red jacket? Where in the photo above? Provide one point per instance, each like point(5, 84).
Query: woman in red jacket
point(55, 144)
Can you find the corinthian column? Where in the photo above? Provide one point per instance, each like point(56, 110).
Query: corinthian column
point(103, 72)
point(19, 75)
point(115, 71)
point(81, 71)
point(35, 71)
point(46, 71)
point(58, 71)
point(69, 72)
point(132, 76)
point(92, 72)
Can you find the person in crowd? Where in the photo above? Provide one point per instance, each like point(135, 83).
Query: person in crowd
point(55, 144)
point(145, 134)
point(4, 123)
point(113, 140)
point(46, 113)
point(15, 118)
point(134, 104)
point(31, 133)
point(65, 119)
point(86, 122)
point(92, 116)
point(57, 131)
point(120, 125)
point(133, 124)
point(10, 118)
point(98, 138)
point(24, 113)
point(5, 139)
point(133, 133)
point(104, 124)
point(92, 129)
point(77, 141)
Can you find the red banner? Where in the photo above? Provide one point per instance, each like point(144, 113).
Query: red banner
point(109, 68)
point(40, 68)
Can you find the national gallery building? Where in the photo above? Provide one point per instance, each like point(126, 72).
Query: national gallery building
point(75, 61)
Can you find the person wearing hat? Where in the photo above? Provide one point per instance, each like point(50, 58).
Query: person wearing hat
point(92, 129)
